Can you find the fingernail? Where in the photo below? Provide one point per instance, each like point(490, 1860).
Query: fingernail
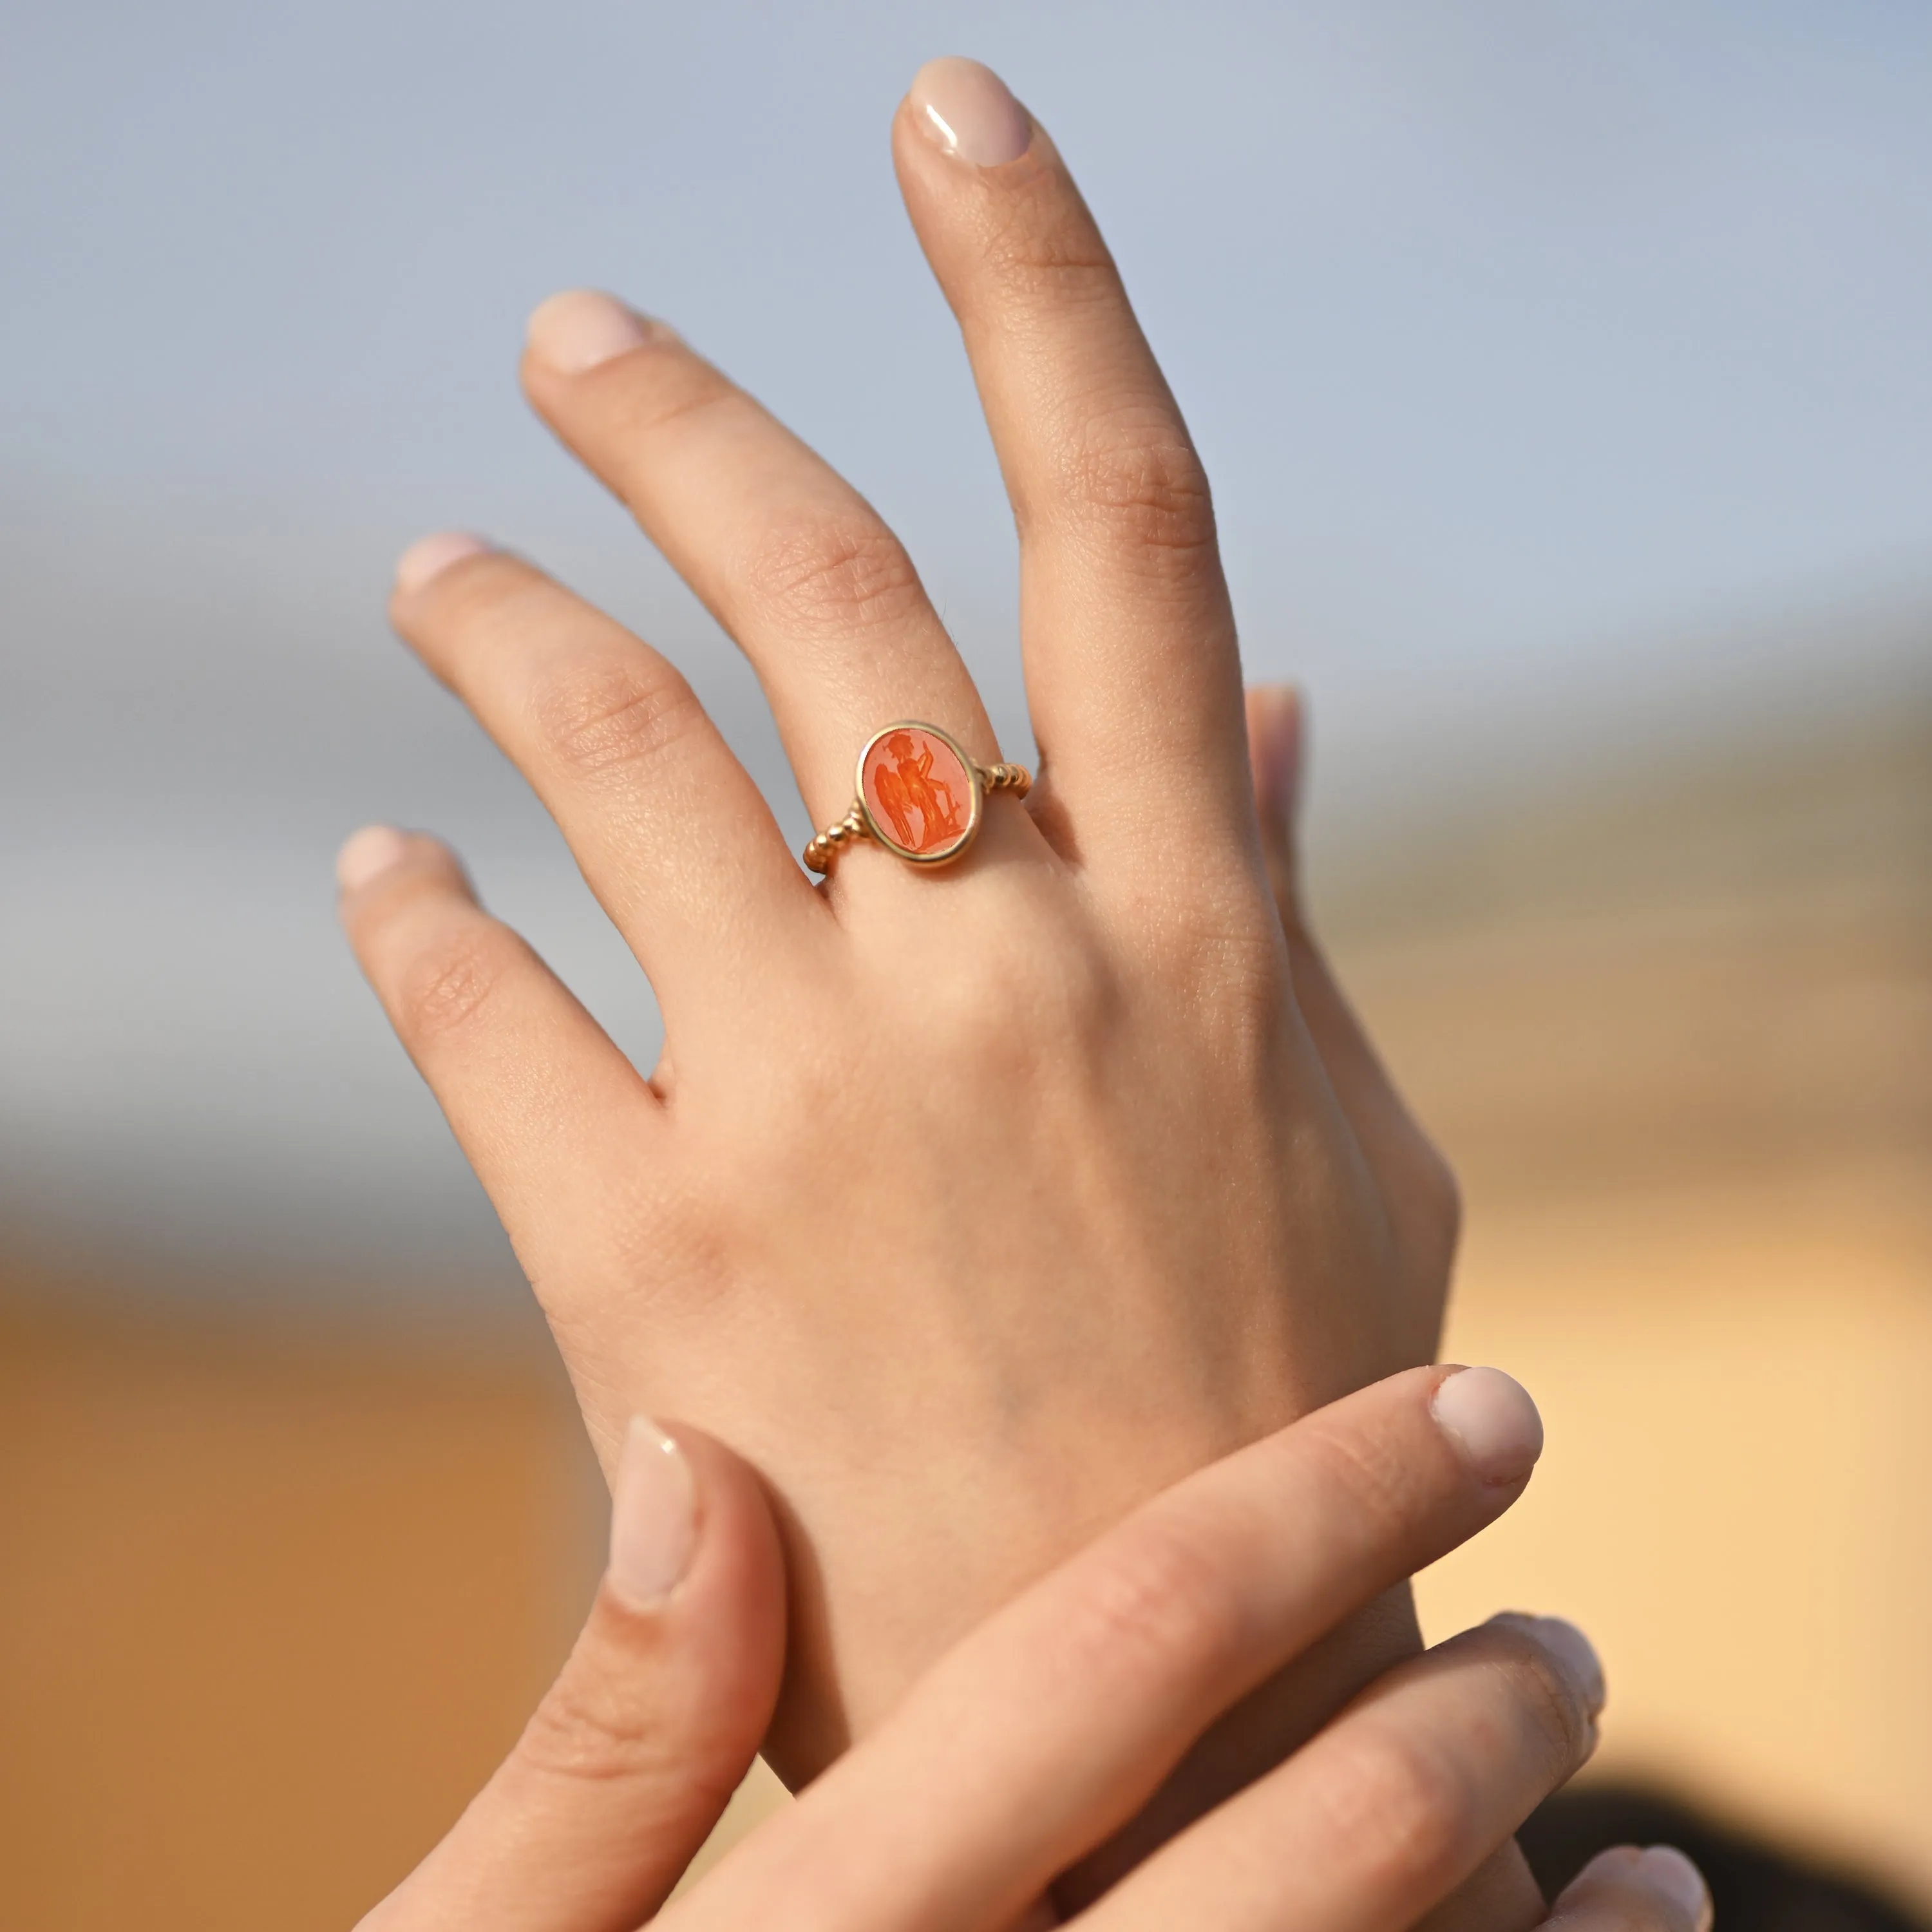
point(1489, 1416)
point(1277, 749)
point(429, 555)
point(581, 328)
point(1569, 1647)
point(1664, 1869)
point(653, 1516)
point(966, 108)
point(365, 854)
point(1620, 1858)
point(1579, 1657)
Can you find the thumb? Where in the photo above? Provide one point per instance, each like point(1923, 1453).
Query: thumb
point(657, 1714)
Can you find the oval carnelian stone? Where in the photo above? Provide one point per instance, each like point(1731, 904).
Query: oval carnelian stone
point(918, 791)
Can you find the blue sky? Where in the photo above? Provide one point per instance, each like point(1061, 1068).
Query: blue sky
point(1562, 371)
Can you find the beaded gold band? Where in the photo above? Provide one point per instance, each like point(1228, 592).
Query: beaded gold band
point(919, 795)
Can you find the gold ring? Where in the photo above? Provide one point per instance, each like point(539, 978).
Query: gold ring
point(919, 794)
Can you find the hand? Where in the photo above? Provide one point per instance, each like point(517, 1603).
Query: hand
point(1048, 1724)
point(975, 1206)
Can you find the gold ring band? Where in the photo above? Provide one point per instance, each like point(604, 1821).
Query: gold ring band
point(917, 792)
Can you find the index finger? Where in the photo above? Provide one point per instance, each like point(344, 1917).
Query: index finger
point(1051, 1724)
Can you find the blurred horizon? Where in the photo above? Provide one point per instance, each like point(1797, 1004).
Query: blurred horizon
point(1561, 378)
point(1561, 374)
point(153, 932)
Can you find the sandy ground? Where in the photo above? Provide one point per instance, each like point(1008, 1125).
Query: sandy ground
point(1682, 1051)
point(271, 1608)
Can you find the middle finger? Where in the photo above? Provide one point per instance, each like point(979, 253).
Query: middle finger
point(1133, 673)
point(794, 563)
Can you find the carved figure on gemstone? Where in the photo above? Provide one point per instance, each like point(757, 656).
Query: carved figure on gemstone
point(908, 785)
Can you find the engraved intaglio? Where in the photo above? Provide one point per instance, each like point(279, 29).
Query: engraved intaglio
point(921, 797)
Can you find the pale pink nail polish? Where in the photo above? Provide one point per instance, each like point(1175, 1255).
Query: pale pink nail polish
point(966, 108)
point(1664, 1869)
point(1619, 1859)
point(429, 556)
point(653, 1516)
point(365, 853)
point(583, 328)
point(1489, 1416)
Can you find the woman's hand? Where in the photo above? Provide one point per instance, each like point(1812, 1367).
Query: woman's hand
point(620, 1775)
point(1049, 1725)
point(973, 1206)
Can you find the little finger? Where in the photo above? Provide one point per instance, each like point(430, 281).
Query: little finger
point(1392, 1806)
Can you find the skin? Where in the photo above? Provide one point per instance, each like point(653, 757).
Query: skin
point(1045, 1727)
point(973, 1207)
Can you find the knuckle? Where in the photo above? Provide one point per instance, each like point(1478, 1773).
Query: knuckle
point(1148, 486)
point(1557, 1715)
point(834, 574)
point(1228, 968)
point(583, 1732)
point(1219, 952)
point(674, 386)
point(673, 1244)
point(1159, 1607)
point(610, 716)
point(1002, 1002)
point(1374, 1474)
point(464, 598)
point(447, 985)
point(495, 589)
point(1040, 245)
point(1560, 1727)
point(1239, 985)
point(1403, 1810)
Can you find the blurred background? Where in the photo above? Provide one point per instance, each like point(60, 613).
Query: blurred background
point(1563, 376)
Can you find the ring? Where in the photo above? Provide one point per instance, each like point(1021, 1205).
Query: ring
point(919, 794)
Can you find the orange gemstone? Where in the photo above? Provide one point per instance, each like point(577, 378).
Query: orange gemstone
point(919, 792)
